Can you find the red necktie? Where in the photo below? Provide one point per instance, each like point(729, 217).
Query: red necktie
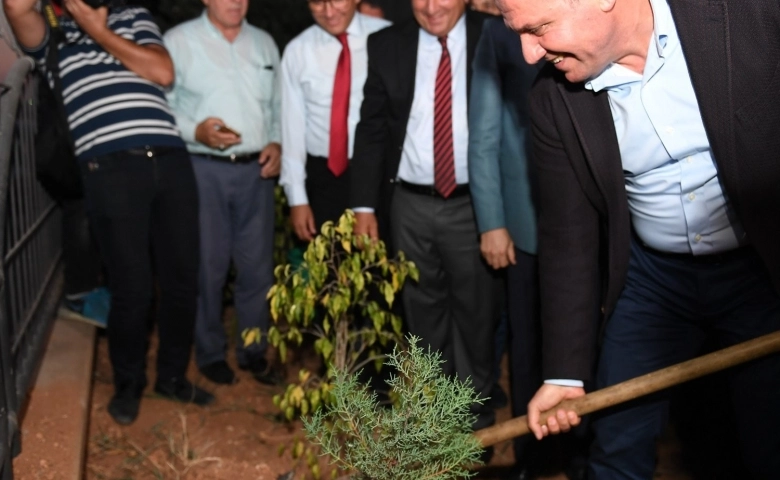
point(443, 149)
point(338, 153)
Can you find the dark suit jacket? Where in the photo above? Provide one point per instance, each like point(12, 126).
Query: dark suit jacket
point(732, 48)
point(499, 136)
point(387, 101)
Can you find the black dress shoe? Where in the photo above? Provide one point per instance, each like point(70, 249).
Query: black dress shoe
point(219, 372)
point(260, 369)
point(521, 474)
point(487, 455)
point(180, 389)
point(124, 405)
point(578, 472)
point(498, 398)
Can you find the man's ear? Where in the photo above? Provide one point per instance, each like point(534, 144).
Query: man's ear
point(605, 5)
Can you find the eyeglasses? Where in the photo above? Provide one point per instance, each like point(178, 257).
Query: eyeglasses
point(319, 5)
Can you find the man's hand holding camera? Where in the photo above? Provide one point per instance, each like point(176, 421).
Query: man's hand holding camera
point(94, 21)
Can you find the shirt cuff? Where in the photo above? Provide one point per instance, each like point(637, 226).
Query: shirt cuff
point(296, 195)
point(565, 383)
point(39, 52)
point(363, 210)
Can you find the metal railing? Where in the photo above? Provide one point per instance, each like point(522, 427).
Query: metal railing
point(31, 278)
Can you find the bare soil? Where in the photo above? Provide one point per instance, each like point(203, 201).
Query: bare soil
point(239, 437)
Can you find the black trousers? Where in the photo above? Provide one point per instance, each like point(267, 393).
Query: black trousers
point(143, 207)
point(454, 306)
point(525, 368)
point(328, 194)
point(83, 266)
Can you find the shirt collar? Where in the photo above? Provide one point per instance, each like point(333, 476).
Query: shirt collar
point(354, 29)
point(663, 26)
point(456, 35)
point(663, 30)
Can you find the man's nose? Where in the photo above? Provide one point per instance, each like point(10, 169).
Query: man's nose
point(329, 9)
point(532, 50)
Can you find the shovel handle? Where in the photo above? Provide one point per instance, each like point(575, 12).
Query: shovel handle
point(640, 386)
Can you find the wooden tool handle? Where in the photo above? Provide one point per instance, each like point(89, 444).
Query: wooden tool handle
point(640, 386)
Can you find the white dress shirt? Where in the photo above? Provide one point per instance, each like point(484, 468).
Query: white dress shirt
point(236, 81)
point(308, 72)
point(417, 157)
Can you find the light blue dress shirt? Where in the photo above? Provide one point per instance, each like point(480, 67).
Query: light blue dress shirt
point(237, 82)
point(677, 204)
point(675, 198)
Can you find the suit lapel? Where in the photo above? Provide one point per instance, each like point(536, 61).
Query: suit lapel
point(407, 63)
point(703, 30)
point(595, 129)
point(473, 31)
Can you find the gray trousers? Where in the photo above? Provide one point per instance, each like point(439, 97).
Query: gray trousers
point(236, 221)
point(453, 308)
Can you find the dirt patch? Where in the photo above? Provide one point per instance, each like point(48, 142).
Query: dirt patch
point(239, 437)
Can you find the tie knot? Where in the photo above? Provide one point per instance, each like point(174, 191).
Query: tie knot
point(342, 37)
point(443, 41)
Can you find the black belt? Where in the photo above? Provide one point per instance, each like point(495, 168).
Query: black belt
point(430, 190)
point(710, 259)
point(149, 151)
point(235, 158)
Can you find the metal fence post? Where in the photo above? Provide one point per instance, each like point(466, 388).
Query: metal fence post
point(30, 252)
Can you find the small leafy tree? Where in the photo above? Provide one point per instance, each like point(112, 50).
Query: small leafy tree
point(343, 296)
point(425, 435)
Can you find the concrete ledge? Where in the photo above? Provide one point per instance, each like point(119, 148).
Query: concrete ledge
point(55, 420)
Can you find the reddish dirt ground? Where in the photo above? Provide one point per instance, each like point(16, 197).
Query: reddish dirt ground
point(239, 437)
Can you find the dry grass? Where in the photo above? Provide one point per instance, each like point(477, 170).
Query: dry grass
point(172, 456)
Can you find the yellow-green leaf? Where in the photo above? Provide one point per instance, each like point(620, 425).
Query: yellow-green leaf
point(414, 272)
point(298, 449)
point(389, 293)
point(283, 352)
point(397, 324)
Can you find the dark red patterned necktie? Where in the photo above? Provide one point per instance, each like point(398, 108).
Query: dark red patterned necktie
point(443, 149)
point(338, 152)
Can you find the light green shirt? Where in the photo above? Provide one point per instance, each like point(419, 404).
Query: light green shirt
point(237, 82)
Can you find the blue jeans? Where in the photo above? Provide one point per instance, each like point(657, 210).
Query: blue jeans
point(669, 304)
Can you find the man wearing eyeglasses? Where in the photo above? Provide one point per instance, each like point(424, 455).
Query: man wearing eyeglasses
point(323, 71)
point(411, 163)
point(372, 8)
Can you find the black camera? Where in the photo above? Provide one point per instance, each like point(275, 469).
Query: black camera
point(103, 3)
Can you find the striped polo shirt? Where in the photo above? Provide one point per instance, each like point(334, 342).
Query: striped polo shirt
point(110, 108)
